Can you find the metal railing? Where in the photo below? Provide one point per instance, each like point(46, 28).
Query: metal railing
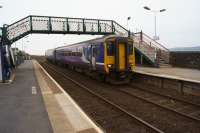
point(149, 41)
point(151, 48)
point(62, 25)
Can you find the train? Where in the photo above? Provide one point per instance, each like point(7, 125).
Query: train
point(110, 58)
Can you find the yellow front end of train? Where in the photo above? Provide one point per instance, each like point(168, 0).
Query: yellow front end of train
point(119, 57)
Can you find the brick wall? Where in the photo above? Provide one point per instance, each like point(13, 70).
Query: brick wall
point(185, 59)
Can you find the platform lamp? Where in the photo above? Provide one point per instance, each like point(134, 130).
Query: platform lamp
point(155, 13)
point(26, 45)
point(128, 28)
point(24, 39)
point(128, 18)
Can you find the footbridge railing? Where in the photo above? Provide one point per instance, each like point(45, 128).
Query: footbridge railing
point(62, 25)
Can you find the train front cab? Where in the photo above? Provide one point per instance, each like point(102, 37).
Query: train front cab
point(119, 59)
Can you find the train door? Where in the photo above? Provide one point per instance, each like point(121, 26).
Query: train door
point(93, 57)
point(122, 59)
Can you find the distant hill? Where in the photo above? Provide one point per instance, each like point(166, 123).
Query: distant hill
point(190, 49)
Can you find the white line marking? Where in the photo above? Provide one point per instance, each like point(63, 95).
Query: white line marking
point(34, 91)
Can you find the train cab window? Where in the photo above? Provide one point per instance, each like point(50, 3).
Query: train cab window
point(130, 49)
point(110, 48)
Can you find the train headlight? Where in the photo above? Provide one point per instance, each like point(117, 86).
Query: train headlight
point(109, 65)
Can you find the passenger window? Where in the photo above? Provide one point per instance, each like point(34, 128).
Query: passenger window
point(98, 51)
point(94, 52)
point(110, 48)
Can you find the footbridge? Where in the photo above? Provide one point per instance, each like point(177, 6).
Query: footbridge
point(60, 25)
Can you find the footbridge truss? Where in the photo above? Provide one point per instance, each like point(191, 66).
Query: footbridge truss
point(60, 25)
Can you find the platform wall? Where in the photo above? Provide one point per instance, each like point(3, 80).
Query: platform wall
point(180, 86)
point(185, 59)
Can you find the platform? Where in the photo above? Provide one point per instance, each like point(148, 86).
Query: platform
point(190, 75)
point(22, 108)
point(35, 103)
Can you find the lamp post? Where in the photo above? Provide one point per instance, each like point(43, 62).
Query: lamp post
point(26, 45)
point(24, 39)
point(155, 13)
point(128, 18)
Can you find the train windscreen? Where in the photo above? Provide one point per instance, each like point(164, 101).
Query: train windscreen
point(110, 49)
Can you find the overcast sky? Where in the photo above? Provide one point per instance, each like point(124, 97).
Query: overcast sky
point(178, 26)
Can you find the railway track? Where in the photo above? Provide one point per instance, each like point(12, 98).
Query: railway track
point(172, 88)
point(159, 122)
point(181, 107)
point(143, 125)
point(166, 96)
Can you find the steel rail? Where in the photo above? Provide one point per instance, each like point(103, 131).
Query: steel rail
point(167, 96)
point(151, 127)
point(163, 107)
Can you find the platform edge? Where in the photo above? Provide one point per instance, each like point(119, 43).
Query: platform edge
point(97, 128)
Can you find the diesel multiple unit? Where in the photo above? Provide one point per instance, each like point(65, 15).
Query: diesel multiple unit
point(110, 57)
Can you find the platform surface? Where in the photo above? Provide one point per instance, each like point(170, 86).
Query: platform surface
point(64, 113)
point(172, 72)
point(22, 108)
point(35, 103)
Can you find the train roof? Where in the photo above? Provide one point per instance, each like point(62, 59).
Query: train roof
point(95, 40)
point(99, 39)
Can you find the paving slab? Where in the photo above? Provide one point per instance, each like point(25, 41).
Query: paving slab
point(22, 108)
